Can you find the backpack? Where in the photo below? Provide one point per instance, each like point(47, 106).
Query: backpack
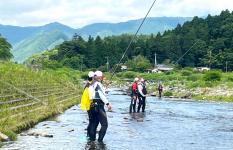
point(144, 91)
point(85, 100)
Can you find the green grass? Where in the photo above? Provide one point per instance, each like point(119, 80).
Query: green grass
point(50, 92)
point(187, 80)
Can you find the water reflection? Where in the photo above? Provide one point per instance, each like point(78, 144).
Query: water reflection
point(138, 116)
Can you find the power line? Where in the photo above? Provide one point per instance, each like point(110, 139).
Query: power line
point(187, 51)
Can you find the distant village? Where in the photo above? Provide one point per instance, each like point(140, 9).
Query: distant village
point(159, 68)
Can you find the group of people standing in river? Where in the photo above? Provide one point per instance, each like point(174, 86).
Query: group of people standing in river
point(138, 95)
point(97, 100)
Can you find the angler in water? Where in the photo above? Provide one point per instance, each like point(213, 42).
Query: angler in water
point(142, 95)
point(97, 111)
point(134, 95)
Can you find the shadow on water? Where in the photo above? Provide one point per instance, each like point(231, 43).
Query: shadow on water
point(139, 117)
point(93, 145)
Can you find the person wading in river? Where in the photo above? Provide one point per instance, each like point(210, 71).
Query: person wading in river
point(160, 89)
point(90, 81)
point(134, 95)
point(142, 95)
point(97, 111)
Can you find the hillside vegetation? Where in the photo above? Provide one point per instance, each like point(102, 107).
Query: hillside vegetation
point(210, 40)
point(23, 39)
point(37, 43)
point(27, 96)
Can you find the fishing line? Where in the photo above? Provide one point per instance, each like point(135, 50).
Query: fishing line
point(130, 43)
point(187, 51)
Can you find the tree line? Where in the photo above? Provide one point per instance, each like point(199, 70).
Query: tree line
point(210, 40)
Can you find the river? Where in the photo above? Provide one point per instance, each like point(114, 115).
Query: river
point(167, 124)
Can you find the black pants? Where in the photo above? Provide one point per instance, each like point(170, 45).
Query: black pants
point(97, 117)
point(160, 93)
point(133, 104)
point(142, 103)
point(89, 121)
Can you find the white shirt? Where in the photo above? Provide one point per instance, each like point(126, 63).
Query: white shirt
point(140, 88)
point(100, 90)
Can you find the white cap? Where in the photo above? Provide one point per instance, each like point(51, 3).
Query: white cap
point(136, 79)
point(98, 74)
point(91, 74)
point(142, 80)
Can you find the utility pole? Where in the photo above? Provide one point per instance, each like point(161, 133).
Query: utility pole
point(210, 57)
point(226, 66)
point(81, 66)
point(107, 63)
point(155, 61)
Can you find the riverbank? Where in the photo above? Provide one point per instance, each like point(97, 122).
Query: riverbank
point(184, 84)
point(28, 97)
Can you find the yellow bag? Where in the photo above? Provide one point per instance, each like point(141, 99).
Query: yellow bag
point(85, 100)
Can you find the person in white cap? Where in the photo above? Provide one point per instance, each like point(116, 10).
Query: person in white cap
point(134, 93)
point(90, 80)
point(142, 95)
point(98, 114)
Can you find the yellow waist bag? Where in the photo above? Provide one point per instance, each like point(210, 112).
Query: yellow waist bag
point(85, 100)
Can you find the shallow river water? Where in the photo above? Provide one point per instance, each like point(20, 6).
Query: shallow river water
point(166, 125)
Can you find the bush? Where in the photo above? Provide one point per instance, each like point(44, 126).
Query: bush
point(186, 73)
point(193, 77)
point(212, 76)
point(129, 74)
point(168, 93)
point(230, 79)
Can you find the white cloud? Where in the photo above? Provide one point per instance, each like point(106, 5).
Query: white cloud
point(77, 13)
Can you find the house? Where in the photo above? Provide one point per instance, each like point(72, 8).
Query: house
point(201, 69)
point(124, 67)
point(160, 68)
point(164, 68)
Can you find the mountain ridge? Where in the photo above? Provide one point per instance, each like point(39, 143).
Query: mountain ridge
point(17, 35)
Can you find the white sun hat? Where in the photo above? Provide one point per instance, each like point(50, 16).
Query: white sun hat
point(98, 73)
point(91, 74)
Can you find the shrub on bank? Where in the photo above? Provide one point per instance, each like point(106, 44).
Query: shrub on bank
point(212, 76)
point(186, 73)
point(168, 93)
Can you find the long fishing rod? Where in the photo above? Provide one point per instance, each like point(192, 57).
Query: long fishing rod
point(187, 51)
point(130, 43)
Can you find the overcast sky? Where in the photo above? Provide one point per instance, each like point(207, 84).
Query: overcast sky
point(77, 13)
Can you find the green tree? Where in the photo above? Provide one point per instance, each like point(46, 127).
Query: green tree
point(5, 48)
point(139, 63)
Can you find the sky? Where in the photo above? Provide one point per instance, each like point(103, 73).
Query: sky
point(78, 13)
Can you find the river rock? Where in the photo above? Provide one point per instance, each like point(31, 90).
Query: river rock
point(71, 130)
point(39, 133)
point(3, 137)
point(140, 120)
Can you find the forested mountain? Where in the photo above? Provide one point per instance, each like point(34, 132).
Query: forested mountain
point(21, 37)
point(151, 25)
point(37, 43)
point(209, 42)
point(15, 34)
